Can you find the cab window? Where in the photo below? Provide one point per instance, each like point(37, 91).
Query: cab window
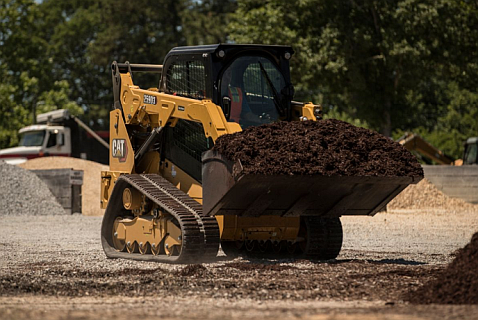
point(51, 140)
point(32, 138)
point(187, 79)
point(471, 156)
point(253, 85)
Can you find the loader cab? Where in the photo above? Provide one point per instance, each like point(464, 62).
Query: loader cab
point(251, 83)
point(217, 72)
point(471, 151)
point(250, 89)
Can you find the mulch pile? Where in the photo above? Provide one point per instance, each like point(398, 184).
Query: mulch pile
point(327, 147)
point(457, 284)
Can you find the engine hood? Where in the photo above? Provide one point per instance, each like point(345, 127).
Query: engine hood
point(17, 155)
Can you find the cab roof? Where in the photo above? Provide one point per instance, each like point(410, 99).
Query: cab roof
point(213, 48)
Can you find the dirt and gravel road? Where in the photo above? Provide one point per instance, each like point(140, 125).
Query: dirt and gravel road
point(53, 267)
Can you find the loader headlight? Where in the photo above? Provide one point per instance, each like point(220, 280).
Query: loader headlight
point(287, 55)
point(221, 54)
point(317, 112)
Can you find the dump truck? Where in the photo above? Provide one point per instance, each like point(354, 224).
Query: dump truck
point(170, 198)
point(57, 133)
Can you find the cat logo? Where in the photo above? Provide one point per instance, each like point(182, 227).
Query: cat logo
point(119, 150)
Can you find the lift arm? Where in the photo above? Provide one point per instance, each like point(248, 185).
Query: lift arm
point(414, 142)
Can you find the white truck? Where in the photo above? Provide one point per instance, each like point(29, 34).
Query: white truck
point(57, 134)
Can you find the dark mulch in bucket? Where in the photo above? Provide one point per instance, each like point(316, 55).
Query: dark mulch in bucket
point(327, 147)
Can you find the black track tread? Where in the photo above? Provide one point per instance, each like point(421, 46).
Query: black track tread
point(324, 237)
point(334, 238)
point(200, 234)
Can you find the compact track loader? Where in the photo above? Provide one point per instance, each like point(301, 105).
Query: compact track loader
point(169, 198)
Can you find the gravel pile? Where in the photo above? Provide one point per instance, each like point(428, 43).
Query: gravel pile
point(426, 195)
point(329, 147)
point(91, 178)
point(23, 193)
point(457, 284)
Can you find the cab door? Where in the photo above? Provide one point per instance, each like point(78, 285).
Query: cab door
point(58, 142)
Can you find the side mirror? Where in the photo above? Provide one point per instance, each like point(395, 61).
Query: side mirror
point(60, 141)
point(226, 106)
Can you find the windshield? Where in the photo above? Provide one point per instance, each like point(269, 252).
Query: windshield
point(253, 85)
point(32, 138)
point(471, 154)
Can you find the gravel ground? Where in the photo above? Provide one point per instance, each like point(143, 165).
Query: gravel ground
point(63, 274)
point(426, 196)
point(23, 193)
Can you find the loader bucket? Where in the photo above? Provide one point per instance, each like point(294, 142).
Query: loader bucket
point(228, 191)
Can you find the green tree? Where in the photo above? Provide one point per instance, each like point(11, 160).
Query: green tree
point(25, 68)
point(14, 115)
point(459, 122)
point(204, 22)
point(385, 62)
point(21, 63)
point(57, 98)
point(86, 36)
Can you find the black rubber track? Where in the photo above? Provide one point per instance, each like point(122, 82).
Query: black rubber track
point(324, 237)
point(200, 234)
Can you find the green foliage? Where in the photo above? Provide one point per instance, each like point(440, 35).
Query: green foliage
point(25, 68)
point(204, 21)
point(57, 98)
point(333, 113)
point(87, 36)
point(13, 115)
point(457, 124)
point(393, 66)
point(19, 45)
point(387, 63)
point(403, 65)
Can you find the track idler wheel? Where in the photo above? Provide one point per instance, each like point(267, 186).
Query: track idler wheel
point(156, 249)
point(250, 245)
point(264, 246)
point(132, 247)
point(171, 246)
point(291, 247)
point(144, 248)
point(277, 246)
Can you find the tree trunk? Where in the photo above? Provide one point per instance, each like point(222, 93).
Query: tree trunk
point(386, 129)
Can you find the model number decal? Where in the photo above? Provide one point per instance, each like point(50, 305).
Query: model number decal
point(149, 99)
point(119, 150)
